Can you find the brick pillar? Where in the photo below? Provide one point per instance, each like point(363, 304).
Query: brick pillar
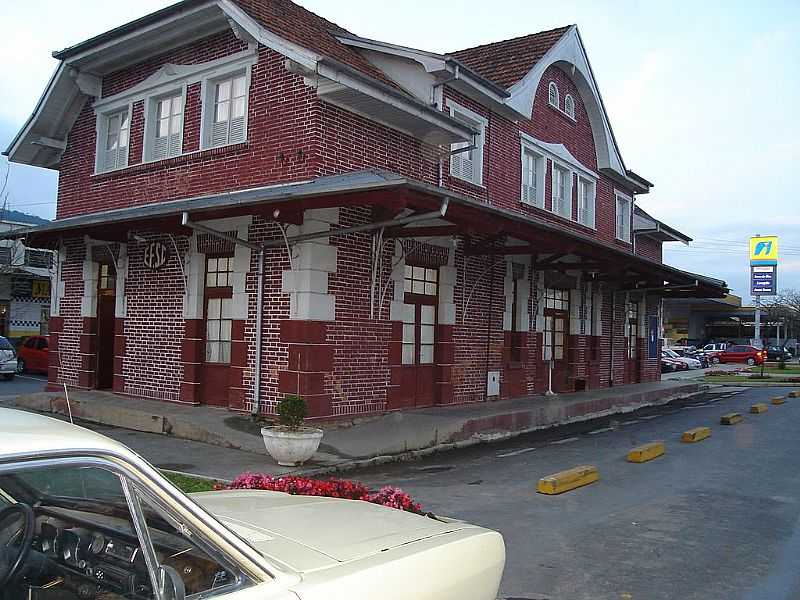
point(87, 349)
point(53, 357)
point(191, 359)
point(236, 391)
point(119, 355)
point(310, 359)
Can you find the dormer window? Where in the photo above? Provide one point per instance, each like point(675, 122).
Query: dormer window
point(552, 94)
point(569, 106)
point(227, 111)
point(114, 137)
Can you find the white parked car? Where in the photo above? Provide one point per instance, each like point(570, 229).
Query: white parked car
point(692, 363)
point(83, 517)
point(8, 359)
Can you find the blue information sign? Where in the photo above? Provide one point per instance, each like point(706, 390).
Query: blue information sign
point(763, 280)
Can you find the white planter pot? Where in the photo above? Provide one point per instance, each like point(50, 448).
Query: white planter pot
point(291, 448)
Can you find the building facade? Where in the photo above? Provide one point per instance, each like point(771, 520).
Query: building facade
point(255, 202)
point(25, 275)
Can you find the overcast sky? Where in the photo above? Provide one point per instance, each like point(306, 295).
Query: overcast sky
point(701, 95)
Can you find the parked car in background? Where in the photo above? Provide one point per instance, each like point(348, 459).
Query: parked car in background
point(712, 351)
point(692, 352)
point(8, 359)
point(691, 363)
point(69, 497)
point(667, 366)
point(777, 352)
point(677, 365)
point(32, 355)
point(743, 354)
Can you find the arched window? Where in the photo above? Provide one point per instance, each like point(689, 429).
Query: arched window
point(552, 94)
point(569, 106)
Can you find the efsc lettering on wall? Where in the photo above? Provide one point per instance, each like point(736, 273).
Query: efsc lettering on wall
point(764, 265)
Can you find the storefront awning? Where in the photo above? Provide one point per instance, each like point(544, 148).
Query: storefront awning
point(555, 246)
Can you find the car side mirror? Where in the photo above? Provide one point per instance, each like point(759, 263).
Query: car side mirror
point(172, 587)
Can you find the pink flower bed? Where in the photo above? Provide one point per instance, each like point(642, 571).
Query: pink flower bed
point(331, 488)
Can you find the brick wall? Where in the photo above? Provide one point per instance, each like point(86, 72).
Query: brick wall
point(649, 248)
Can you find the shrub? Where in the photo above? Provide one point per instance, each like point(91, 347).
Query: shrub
point(331, 488)
point(292, 411)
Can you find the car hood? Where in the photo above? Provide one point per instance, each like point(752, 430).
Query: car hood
point(310, 532)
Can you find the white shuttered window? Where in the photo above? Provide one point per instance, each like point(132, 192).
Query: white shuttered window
point(115, 149)
point(562, 191)
point(229, 119)
point(623, 217)
point(586, 201)
point(168, 128)
point(533, 165)
point(468, 164)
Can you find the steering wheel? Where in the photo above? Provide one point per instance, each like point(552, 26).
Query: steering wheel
point(10, 565)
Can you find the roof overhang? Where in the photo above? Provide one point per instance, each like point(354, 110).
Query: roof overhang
point(646, 225)
point(42, 139)
point(617, 266)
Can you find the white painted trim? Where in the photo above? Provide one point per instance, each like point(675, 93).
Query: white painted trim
point(569, 50)
point(170, 77)
point(552, 85)
point(541, 174)
point(558, 152)
point(561, 166)
point(482, 123)
point(593, 183)
point(148, 135)
point(621, 194)
point(570, 114)
point(102, 132)
point(207, 103)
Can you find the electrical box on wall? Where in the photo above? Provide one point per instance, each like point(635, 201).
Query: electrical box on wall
point(493, 384)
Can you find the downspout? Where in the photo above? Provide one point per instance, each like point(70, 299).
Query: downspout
point(489, 320)
point(259, 320)
point(611, 353)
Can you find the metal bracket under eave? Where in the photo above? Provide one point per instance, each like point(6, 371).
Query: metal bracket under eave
point(186, 222)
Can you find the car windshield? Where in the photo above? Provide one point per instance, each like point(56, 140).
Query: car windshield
point(671, 353)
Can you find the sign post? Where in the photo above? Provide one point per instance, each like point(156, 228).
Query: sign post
point(763, 273)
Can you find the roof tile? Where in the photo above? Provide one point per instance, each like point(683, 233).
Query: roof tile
point(508, 61)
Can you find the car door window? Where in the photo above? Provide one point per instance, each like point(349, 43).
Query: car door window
point(30, 343)
point(41, 344)
point(99, 532)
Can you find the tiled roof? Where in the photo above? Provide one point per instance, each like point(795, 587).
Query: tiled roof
point(508, 61)
point(301, 26)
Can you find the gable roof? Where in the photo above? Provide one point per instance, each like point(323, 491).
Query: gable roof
point(307, 29)
point(508, 61)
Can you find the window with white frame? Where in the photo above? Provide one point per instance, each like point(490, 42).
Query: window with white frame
point(569, 106)
point(226, 103)
point(165, 127)
point(552, 94)
point(114, 137)
point(468, 164)
point(533, 167)
point(586, 201)
point(562, 191)
point(623, 217)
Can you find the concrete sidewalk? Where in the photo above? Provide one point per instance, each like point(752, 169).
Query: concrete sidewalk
point(361, 443)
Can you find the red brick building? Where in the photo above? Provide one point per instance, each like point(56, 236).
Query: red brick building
point(254, 201)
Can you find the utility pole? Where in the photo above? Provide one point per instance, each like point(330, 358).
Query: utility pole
point(758, 321)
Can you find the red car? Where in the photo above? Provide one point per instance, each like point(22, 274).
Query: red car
point(32, 355)
point(742, 354)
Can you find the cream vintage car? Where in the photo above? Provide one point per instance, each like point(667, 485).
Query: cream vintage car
point(82, 517)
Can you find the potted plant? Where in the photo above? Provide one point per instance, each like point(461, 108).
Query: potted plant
point(290, 443)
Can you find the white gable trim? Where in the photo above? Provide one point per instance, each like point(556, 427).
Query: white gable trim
point(559, 152)
point(569, 51)
point(170, 77)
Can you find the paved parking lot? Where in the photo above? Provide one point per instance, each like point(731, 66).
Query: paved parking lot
point(719, 519)
point(22, 384)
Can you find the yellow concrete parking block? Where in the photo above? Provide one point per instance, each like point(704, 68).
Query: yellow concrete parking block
point(570, 479)
point(731, 419)
point(646, 452)
point(696, 434)
point(794, 394)
point(759, 408)
point(778, 400)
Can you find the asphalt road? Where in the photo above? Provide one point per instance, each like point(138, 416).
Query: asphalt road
point(23, 384)
point(719, 519)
